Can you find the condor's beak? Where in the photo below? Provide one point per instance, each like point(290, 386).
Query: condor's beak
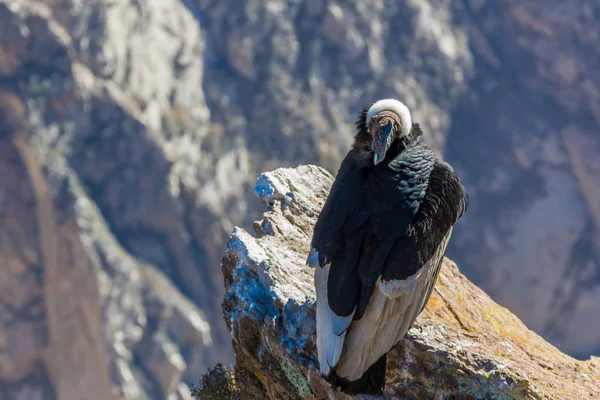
point(382, 138)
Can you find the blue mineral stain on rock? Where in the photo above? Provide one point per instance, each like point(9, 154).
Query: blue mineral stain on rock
point(267, 228)
point(257, 299)
point(297, 333)
point(254, 294)
point(264, 190)
point(289, 198)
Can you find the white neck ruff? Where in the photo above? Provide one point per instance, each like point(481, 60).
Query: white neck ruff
point(394, 106)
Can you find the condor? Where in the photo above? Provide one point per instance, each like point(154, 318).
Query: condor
point(378, 245)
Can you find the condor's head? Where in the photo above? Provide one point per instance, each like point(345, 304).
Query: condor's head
point(383, 127)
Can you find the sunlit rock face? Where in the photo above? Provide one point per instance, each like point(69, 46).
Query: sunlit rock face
point(463, 345)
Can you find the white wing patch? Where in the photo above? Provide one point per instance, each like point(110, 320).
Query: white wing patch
point(395, 288)
point(329, 343)
point(339, 325)
point(391, 311)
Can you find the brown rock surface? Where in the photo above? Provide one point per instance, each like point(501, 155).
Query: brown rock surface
point(463, 345)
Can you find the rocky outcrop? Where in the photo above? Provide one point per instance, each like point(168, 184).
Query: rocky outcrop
point(96, 225)
point(463, 346)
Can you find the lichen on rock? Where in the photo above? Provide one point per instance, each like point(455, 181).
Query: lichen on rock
point(463, 345)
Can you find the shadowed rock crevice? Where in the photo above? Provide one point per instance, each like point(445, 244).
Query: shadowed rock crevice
point(462, 346)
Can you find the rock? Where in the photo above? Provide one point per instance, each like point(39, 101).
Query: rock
point(463, 345)
point(163, 360)
point(88, 307)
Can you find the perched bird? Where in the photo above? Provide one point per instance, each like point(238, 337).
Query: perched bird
point(378, 245)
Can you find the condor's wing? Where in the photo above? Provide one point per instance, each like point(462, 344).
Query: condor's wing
point(341, 213)
point(408, 276)
point(337, 240)
point(363, 216)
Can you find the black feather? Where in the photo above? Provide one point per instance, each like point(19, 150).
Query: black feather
point(444, 203)
point(384, 221)
point(372, 382)
point(366, 213)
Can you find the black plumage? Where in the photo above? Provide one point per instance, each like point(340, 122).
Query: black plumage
point(383, 221)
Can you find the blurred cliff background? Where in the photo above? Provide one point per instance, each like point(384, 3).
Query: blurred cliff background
point(132, 132)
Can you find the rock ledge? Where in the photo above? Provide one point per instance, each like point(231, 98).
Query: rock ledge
point(462, 346)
